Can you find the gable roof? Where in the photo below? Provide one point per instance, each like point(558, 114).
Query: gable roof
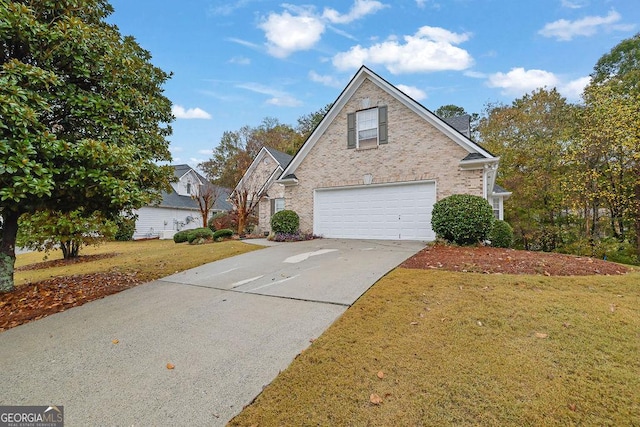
point(364, 73)
point(174, 200)
point(281, 159)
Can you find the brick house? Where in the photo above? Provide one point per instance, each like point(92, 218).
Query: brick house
point(376, 164)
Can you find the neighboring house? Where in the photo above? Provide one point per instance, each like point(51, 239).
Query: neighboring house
point(178, 210)
point(376, 164)
point(259, 181)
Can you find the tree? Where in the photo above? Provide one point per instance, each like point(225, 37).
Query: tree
point(450, 110)
point(206, 197)
point(531, 136)
point(308, 122)
point(610, 138)
point(47, 230)
point(83, 117)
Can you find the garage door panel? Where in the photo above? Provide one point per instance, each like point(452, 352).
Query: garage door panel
point(401, 211)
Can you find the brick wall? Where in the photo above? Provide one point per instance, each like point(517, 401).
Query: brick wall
point(416, 151)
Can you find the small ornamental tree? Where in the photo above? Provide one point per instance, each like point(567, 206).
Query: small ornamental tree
point(47, 230)
point(462, 218)
point(286, 221)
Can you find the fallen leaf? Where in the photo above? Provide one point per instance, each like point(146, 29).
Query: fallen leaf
point(541, 335)
point(414, 323)
point(170, 366)
point(479, 323)
point(115, 341)
point(612, 308)
point(380, 374)
point(572, 406)
point(375, 399)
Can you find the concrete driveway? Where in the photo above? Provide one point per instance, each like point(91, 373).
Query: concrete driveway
point(229, 328)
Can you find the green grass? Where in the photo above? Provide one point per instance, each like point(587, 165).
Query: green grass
point(150, 259)
point(460, 349)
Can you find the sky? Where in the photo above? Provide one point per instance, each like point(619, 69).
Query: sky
point(237, 62)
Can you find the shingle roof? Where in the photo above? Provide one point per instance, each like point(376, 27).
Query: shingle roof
point(460, 123)
point(174, 200)
point(283, 159)
point(499, 189)
point(474, 156)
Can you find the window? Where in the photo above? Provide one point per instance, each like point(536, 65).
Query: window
point(367, 124)
point(367, 128)
point(277, 205)
point(495, 202)
point(188, 188)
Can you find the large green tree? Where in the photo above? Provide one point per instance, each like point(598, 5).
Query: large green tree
point(609, 147)
point(83, 118)
point(531, 136)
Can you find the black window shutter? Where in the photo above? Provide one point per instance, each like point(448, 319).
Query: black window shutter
point(351, 130)
point(273, 206)
point(382, 125)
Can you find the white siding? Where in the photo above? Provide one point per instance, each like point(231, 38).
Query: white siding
point(153, 220)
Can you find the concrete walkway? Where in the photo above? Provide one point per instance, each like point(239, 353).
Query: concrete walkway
point(229, 328)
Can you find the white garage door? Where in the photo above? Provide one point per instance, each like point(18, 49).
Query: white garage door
point(389, 212)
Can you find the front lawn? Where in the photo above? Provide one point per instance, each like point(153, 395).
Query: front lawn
point(439, 348)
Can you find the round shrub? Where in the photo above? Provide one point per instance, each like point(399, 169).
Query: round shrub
point(462, 218)
point(285, 221)
point(199, 233)
point(180, 236)
point(225, 232)
point(501, 235)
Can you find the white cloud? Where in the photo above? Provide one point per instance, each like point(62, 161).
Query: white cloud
point(573, 90)
point(421, 3)
point(565, 30)
point(240, 60)
point(325, 80)
point(244, 43)
point(519, 81)
point(205, 152)
point(359, 9)
point(574, 4)
point(413, 92)
point(192, 113)
point(287, 33)
point(430, 49)
point(278, 98)
point(301, 27)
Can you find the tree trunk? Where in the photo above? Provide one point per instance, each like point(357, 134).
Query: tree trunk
point(8, 250)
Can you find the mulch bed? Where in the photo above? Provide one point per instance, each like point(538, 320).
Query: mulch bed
point(490, 260)
point(36, 300)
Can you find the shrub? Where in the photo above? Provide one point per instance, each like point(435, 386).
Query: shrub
point(126, 227)
point(181, 236)
point(462, 218)
point(295, 237)
point(223, 220)
point(225, 232)
point(501, 235)
point(199, 233)
point(285, 221)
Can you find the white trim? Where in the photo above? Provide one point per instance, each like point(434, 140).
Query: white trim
point(254, 164)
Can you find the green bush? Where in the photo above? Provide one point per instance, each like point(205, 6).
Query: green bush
point(180, 236)
point(501, 235)
point(462, 219)
point(199, 233)
point(285, 221)
point(126, 227)
point(225, 232)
